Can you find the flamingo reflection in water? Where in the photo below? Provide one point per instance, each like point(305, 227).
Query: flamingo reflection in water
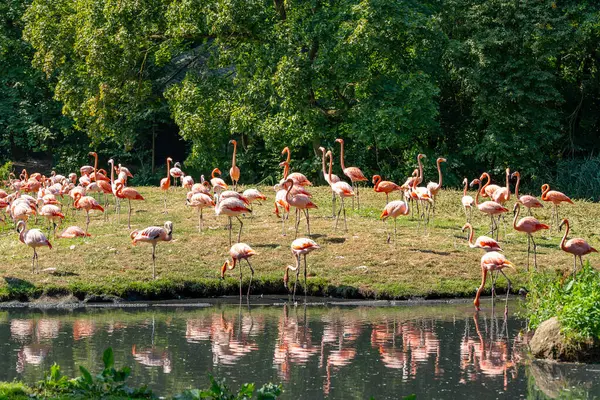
point(33, 354)
point(491, 357)
point(230, 342)
point(407, 345)
point(294, 343)
point(153, 356)
point(83, 328)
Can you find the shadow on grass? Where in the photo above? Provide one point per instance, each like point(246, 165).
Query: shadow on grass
point(337, 240)
point(439, 253)
point(268, 245)
point(64, 273)
point(19, 289)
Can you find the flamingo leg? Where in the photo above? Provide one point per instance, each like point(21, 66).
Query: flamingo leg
point(297, 221)
point(251, 276)
point(386, 230)
point(129, 219)
point(199, 219)
point(105, 207)
point(240, 282)
point(528, 249)
point(230, 230)
point(297, 275)
point(574, 265)
point(305, 276)
point(395, 234)
point(534, 253)
point(87, 224)
point(339, 212)
point(332, 204)
point(507, 293)
point(33, 262)
point(308, 221)
point(353, 189)
point(357, 196)
point(241, 226)
point(153, 260)
point(387, 199)
point(282, 222)
point(344, 208)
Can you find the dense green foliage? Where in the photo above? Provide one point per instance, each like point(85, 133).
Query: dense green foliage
point(485, 83)
point(574, 301)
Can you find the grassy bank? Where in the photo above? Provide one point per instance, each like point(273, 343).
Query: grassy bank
point(355, 264)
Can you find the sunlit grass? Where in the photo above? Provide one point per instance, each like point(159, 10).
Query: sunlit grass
point(358, 263)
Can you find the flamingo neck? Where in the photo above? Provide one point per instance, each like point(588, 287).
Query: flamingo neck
point(234, 154)
point(376, 181)
point(323, 164)
point(471, 244)
point(517, 186)
point(518, 210)
point(507, 179)
point(439, 174)
point(465, 189)
point(342, 156)
point(487, 182)
point(287, 194)
point(483, 280)
point(95, 165)
point(420, 175)
point(286, 170)
point(564, 239)
point(330, 167)
point(545, 190)
point(477, 195)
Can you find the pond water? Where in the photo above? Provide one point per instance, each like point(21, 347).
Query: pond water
point(338, 352)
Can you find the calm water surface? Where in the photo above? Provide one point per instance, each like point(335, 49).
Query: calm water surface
point(435, 351)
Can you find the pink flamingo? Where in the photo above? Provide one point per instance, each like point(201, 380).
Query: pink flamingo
point(176, 172)
point(153, 235)
point(165, 183)
point(353, 173)
point(87, 203)
point(394, 209)
point(578, 247)
point(234, 171)
point(334, 178)
point(434, 188)
point(528, 201)
point(33, 238)
point(239, 252)
point(216, 182)
point(482, 242)
point(502, 195)
point(528, 225)
point(252, 195)
point(280, 201)
point(489, 207)
point(386, 187)
point(232, 207)
point(300, 247)
point(53, 214)
point(493, 262)
point(467, 201)
point(488, 190)
point(298, 178)
point(72, 232)
point(342, 189)
point(200, 201)
point(129, 194)
point(300, 202)
point(555, 197)
point(187, 181)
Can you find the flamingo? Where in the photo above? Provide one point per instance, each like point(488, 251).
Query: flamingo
point(353, 173)
point(502, 195)
point(52, 214)
point(434, 188)
point(280, 201)
point(578, 247)
point(301, 202)
point(342, 189)
point(153, 235)
point(200, 201)
point(528, 225)
point(300, 247)
point(408, 185)
point(334, 178)
point(528, 201)
point(33, 238)
point(487, 190)
point(176, 172)
point(298, 178)
point(394, 209)
point(73, 232)
point(216, 182)
point(482, 242)
point(467, 201)
point(555, 197)
point(187, 181)
point(88, 203)
point(386, 187)
point(239, 252)
point(129, 194)
point(493, 262)
point(489, 207)
point(96, 175)
point(252, 195)
point(165, 183)
point(234, 171)
point(232, 207)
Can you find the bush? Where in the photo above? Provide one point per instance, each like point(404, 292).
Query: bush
point(575, 301)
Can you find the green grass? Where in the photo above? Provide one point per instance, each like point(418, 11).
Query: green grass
point(355, 264)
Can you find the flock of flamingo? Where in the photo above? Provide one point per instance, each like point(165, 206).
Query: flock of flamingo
point(291, 191)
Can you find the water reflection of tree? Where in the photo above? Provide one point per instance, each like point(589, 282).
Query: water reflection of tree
point(406, 345)
point(487, 352)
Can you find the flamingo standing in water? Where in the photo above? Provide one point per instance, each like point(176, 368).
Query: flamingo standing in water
point(467, 201)
point(489, 207)
point(433, 187)
point(88, 203)
point(129, 194)
point(528, 201)
point(33, 238)
point(153, 235)
point(342, 189)
point(555, 198)
point(353, 173)
point(300, 247)
point(334, 179)
point(234, 171)
point(239, 252)
point(386, 187)
point(394, 209)
point(493, 262)
point(528, 225)
point(300, 202)
point(165, 183)
point(232, 207)
point(482, 242)
point(578, 247)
